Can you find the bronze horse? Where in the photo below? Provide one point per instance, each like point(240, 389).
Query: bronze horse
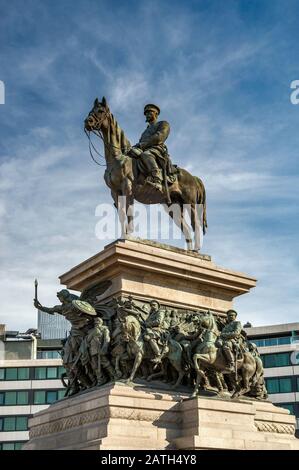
point(208, 356)
point(133, 335)
point(124, 178)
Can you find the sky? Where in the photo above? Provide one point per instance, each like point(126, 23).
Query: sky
point(221, 74)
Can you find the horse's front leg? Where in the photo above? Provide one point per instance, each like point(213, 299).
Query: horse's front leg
point(122, 213)
point(117, 368)
point(130, 215)
point(126, 208)
point(137, 362)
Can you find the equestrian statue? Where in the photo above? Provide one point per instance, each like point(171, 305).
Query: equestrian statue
point(144, 172)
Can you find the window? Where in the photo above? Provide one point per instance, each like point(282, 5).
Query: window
point(280, 385)
point(8, 446)
point(272, 385)
point(61, 394)
point(288, 406)
point(272, 341)
point(9, 424)
point(51, 396)
point(46, 397)
point(14, 423)
point(11, 445)
point(51, 372)
point(14, 398)
point(61, 370)
point(40, 373)
point(14, 373)
point(48, 355)
point(284, 340)
point(40, 397)
point(21, 423)
point(22, 398)
point(285, 385)
point(18, 445)
point(23, 373)
point(47, 373)
point(10, 398)
point(276, 360)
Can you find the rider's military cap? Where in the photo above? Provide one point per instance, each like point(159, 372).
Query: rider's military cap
point(232, 311)
point(154, 107)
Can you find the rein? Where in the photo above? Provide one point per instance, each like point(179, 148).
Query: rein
point(98, 133)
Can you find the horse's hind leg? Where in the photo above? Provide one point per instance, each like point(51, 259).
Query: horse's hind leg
point(196, 217)
point(137, 362)
point(176, 212)
point(130, 215)
point(161, 373)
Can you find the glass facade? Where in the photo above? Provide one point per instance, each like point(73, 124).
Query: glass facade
point(46, 397)
point(14, 373)
point(14, 398)
point(276, 360)
point(262, 342)
point(288, 406)
point(26, 373)
point(48, 355)
point(281, 384)
point(43, 373)
point(14, 423)
point(292, 407)
point(11, 445)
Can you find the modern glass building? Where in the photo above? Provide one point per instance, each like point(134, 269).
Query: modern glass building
point(279, 349)
point(29, 382)
point(52, 326)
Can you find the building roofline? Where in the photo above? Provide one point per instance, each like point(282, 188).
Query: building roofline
point(272, 329)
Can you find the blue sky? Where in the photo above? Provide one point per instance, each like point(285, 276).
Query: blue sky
point(221, 73)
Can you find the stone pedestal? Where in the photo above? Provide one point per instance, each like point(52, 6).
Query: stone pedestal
point(148, 270)
point(118, 417)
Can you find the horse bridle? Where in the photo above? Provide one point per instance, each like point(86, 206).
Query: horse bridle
point(98, 122)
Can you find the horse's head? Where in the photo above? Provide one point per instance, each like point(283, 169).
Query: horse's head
point(207, 321)
point(98, 117)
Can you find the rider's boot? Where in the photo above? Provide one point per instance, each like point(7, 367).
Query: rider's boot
point(156, 351)
point(230, 359)
point(155, 180)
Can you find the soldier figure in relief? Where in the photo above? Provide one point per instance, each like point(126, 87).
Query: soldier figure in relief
point(154, 333)
point(80, 326)
point(98, 340)
point(230, 338)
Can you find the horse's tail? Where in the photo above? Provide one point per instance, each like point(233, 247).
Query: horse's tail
point(201, 199)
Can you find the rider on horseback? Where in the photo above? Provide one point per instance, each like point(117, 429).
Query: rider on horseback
point(151, 148)
point(154, 331)
point(230, 338)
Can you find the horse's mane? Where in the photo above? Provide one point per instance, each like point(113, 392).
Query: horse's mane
point(213, 324)
point(132, 325)
point(117, 136)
